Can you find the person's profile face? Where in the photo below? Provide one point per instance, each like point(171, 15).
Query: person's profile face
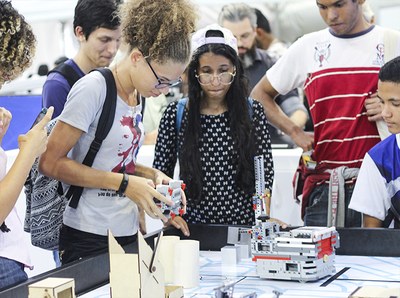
point(389, 96)
point(101, 46)
point(152, 75)
point(243, 32)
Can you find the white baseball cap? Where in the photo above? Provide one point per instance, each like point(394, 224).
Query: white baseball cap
point(199, 37)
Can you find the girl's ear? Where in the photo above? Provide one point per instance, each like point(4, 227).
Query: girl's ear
point(136, 56)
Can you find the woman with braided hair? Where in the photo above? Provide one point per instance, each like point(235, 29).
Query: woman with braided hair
point(156, 36)
point(17, 48)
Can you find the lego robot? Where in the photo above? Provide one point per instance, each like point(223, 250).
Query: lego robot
point(302, 254)
point(171, 191)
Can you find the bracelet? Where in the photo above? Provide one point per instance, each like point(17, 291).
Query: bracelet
point(123, 185)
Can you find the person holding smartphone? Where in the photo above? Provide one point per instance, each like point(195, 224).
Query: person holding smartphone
point(15, 57)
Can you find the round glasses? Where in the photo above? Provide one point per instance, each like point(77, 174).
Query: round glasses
point(224, 78)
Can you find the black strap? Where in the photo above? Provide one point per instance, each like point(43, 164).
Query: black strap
point(68, 72)
point(393, 214)
point(103, 128)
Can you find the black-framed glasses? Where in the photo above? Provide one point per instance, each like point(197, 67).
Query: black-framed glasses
point(224, 78)
point(161, 84)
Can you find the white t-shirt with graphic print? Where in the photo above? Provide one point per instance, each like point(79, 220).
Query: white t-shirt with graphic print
point(101, 209)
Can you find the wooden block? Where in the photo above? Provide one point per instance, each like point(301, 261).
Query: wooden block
point(375, 292)
point(53, 287)
point(174, 292)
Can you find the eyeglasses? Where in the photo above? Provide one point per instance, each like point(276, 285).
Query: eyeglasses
point(161, 84)
point(224, 78)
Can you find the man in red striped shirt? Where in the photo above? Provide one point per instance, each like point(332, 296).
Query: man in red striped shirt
point(338, 69)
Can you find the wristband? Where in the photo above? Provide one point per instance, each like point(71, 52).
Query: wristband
point(123, 185)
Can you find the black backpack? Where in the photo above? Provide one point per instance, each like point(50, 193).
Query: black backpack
point(45, 202)
point(68, 72)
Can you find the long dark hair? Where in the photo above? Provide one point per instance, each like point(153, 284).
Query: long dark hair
point(240, 124)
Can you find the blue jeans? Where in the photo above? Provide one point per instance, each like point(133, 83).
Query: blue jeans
point(56, 257)
point(11, 273)
point(316, 212)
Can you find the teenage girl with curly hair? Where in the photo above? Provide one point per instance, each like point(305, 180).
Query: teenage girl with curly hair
point(157, 42)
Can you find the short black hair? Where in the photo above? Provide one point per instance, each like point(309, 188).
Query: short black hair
point(390, 71)
point(262, 21)
point(94, 14)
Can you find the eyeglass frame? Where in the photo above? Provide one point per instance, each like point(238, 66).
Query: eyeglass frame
point(233, 74)
point(161, 84)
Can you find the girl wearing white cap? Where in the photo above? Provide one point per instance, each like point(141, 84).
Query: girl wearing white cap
point(218, 135)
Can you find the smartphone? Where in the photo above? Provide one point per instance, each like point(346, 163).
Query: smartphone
point(39, 117)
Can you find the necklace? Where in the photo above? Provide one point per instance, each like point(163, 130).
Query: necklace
point(129, 98)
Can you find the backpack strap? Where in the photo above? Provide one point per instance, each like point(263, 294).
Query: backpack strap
point(179, 113)
point(103, 128)
point(250, 107)
point(68, 72)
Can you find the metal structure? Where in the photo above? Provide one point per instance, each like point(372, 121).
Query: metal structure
point(303, 254)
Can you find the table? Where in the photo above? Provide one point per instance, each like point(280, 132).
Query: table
point(372, 256)
point(361, 271)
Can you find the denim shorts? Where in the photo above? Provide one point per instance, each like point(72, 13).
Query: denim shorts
point(316, 212)
point(11, 273)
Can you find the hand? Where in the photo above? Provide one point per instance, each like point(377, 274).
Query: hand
point(281, 223)
point(179, 223)
point(141, 191)
point(5, 119)
point(160, 177)
point(142, 221)
point(373, 107)
point(35, 140)
point(303, 139)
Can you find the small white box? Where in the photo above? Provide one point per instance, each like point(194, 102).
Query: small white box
point(244, 251)
point(230, 255)
point(53, 287)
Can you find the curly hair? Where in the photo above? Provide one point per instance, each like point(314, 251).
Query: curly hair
point(160, 29)
point(241, 127)
point(17, 42)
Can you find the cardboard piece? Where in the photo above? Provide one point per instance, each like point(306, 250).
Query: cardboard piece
point(137, 275)
point(53, 287)
point(375, 292)
point(173, 292)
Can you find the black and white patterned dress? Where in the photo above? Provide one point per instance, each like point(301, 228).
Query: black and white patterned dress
point(223, 202)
